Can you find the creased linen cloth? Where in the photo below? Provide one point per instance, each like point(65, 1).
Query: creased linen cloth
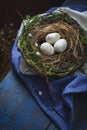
point(57, 101)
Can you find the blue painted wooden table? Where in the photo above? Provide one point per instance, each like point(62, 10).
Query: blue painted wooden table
point(19, 111)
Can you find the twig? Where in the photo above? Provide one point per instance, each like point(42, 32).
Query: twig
point(20, 14)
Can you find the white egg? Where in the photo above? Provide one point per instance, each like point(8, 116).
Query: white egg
point(60, 45)
point(52, 37)
point(47, 49)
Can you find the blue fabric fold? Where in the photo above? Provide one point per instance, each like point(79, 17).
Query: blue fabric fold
point(57, 101)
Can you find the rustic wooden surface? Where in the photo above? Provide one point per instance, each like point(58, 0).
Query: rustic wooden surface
point(18, 110)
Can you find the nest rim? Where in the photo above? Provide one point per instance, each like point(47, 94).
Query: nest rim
point(35, 39)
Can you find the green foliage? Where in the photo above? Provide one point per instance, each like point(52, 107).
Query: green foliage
point(84, 38)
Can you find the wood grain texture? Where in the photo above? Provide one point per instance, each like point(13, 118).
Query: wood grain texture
point(18, 110)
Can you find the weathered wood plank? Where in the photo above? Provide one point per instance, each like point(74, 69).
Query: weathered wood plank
point(18, 110)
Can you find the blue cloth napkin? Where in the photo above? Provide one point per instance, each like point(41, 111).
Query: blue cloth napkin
point(57, 101)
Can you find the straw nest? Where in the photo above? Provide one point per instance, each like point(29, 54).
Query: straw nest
point(59, 64)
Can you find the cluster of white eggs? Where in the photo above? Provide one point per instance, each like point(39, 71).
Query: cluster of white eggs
point(53, 44)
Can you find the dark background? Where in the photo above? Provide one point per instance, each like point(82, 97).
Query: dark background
point(10, 22)
point(9, 14)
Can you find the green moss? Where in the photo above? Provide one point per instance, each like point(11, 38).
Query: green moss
point(84, 38)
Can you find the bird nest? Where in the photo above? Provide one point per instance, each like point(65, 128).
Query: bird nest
point(33, 35)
